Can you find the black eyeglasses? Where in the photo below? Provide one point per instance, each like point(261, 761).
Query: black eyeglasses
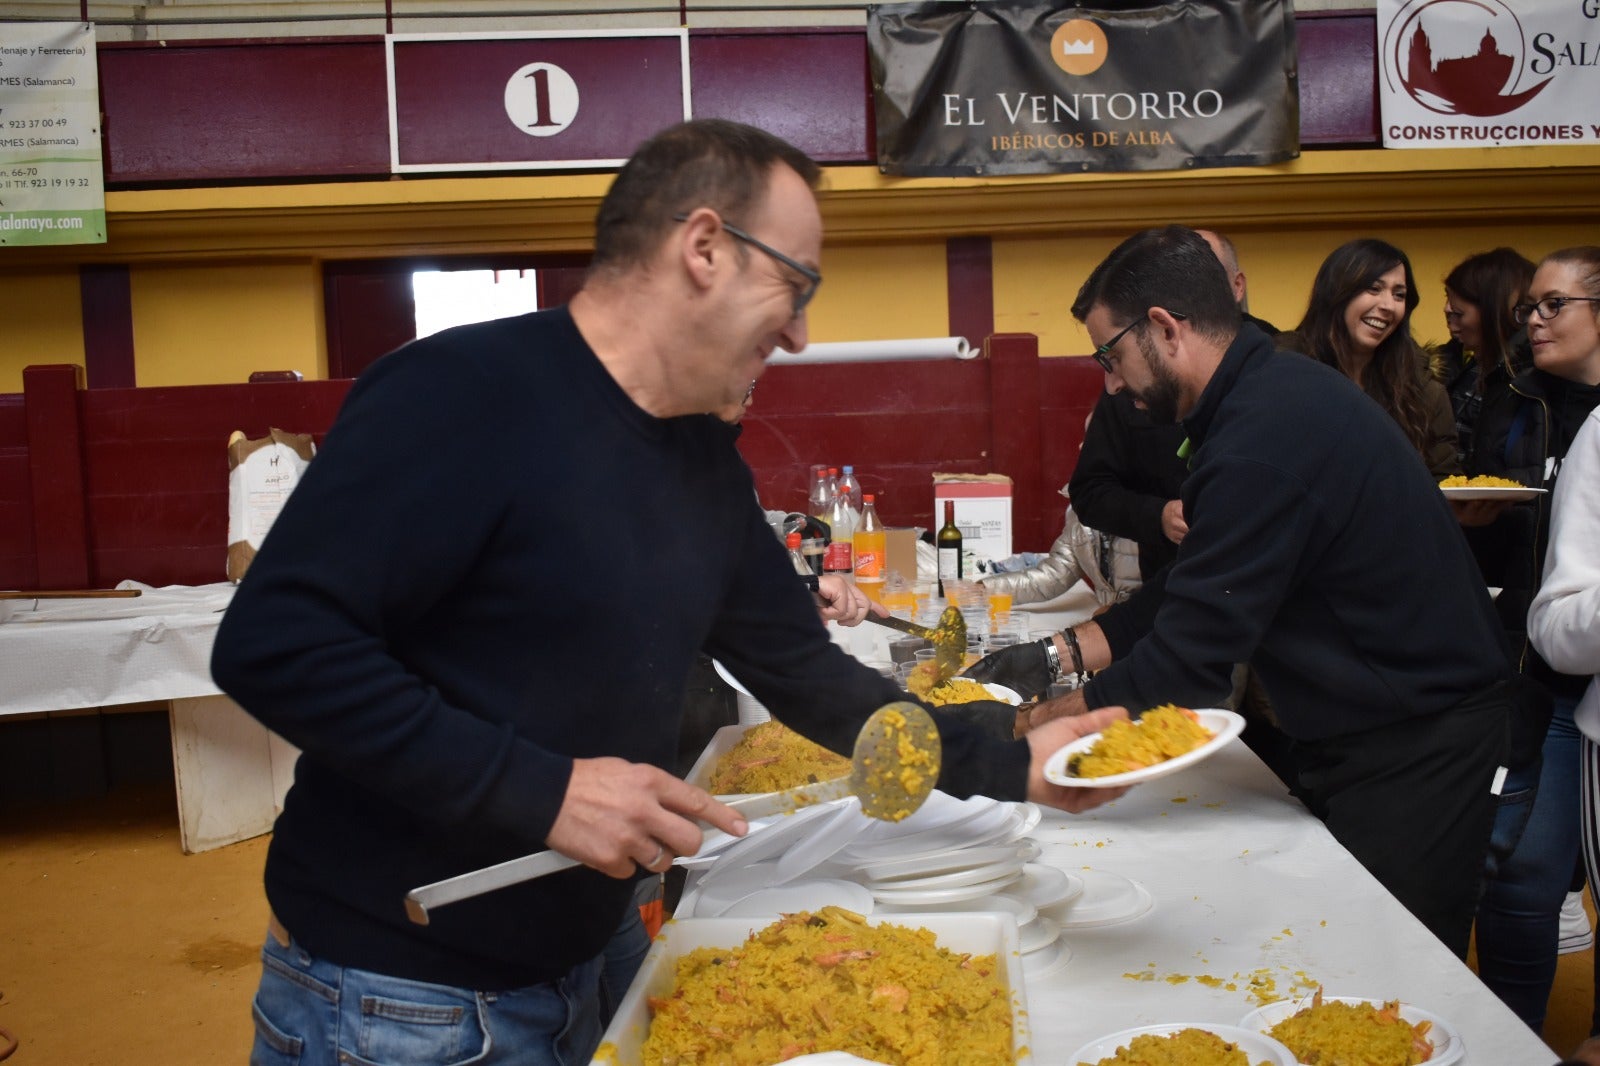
point(1548, 308)
point(1102, 354)
point(802, 293)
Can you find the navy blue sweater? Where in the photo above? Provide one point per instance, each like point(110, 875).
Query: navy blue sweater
point(496, 564)
point(1320, 550)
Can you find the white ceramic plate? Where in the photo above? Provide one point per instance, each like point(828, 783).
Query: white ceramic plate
point(1224, 726)
point(1107, 899)
point(1490, 492)
point(981, 934)
point(1045, 886)
point(1258, 1046)
point(1448, 1047)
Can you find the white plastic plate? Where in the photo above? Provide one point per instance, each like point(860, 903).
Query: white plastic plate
point(1490, 492)
point(1448, 1047)
point(1223, 725)
point(1258, 1046)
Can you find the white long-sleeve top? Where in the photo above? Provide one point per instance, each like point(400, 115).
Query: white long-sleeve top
point(1564, 618)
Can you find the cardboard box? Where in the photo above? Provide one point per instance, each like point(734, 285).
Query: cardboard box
point(901, 554)
point(983, 513)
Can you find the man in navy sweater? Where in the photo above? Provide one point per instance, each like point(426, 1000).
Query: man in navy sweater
point(1321, 552)
point(476, 614)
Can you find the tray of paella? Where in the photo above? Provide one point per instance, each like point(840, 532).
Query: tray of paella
point(923, 990)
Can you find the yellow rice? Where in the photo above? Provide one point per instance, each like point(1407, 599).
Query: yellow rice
point(1354, 1034)
point(924, 684)
point(1186, 1047)
point(829, 981)
point(1481, 481)
point(1161, 733)
point(770, 758)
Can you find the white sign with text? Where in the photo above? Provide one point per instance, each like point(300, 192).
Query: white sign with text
point(1485, 73)
point(52, 183)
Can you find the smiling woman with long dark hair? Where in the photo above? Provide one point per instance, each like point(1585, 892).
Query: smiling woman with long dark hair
point(1358, 320)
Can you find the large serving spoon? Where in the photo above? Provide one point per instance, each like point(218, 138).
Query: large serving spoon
point(893, 768)
point(949, 637)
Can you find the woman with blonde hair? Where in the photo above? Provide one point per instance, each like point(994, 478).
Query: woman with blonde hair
point(1358, 320)
point(1525, 433)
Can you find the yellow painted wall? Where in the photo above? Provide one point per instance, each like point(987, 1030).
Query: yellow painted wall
point(212, 324)
point(881, 292)
point(41, 321)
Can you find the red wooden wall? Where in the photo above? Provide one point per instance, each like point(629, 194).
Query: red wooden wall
point(317, 108)
point(102, 485)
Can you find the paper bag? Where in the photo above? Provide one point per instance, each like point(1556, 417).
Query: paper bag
point(261, 474)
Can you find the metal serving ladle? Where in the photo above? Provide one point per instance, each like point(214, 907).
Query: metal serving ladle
point(949, 637)
point(893, 768)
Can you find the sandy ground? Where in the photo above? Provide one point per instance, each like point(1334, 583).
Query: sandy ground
point(117, 948)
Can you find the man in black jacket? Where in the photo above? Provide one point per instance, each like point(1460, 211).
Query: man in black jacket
point(1319, 550)
point(1129, 471)
point(477, 613)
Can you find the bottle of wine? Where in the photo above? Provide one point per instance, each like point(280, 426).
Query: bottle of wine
point(948, 542)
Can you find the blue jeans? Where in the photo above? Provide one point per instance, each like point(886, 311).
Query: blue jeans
point(1519, 918)
point(309, 1012)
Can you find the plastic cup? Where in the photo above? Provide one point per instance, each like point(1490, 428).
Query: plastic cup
point(904, 649)
point(999, 603)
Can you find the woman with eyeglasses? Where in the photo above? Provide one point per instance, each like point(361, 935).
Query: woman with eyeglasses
point(1358, 320)
point(1487, 347)
point(1524, 433)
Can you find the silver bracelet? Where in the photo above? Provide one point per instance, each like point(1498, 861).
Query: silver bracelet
point(1052, 658)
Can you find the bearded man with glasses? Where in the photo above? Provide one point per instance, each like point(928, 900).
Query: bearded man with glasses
point(1320, 552)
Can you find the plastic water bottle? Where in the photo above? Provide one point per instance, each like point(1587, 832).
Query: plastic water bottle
point(851, 488)
point(797, 560)
point(841, 519)
point(817, 499)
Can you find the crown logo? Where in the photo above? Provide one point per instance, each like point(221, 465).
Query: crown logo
point(1077, 48)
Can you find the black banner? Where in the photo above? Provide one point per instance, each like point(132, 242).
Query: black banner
point(1035, 86)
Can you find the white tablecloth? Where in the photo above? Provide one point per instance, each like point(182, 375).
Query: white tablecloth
point(1247, 884)
point(58, 655)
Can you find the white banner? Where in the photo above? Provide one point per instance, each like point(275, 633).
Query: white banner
point(52, 183)
point(1481, 73)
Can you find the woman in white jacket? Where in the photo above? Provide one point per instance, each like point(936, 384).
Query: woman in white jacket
point(1564, 618)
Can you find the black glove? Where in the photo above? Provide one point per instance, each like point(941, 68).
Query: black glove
point(997, 721)
point(1023, 668)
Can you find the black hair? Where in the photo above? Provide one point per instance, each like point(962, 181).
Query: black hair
point(1171, 267)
